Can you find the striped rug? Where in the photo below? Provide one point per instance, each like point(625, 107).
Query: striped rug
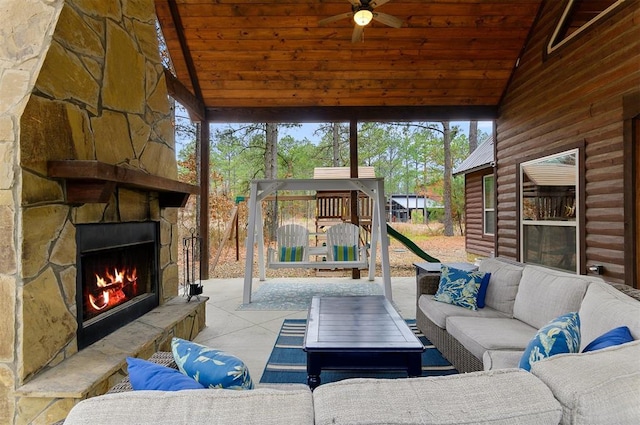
point(288, 362)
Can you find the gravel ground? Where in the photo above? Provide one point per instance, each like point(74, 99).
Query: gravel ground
point(445, 248)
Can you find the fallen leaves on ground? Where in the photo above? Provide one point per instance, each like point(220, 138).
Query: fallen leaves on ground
point(445, 248)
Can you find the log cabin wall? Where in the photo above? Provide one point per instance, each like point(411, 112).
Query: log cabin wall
point(574, 96)
point(476, 242)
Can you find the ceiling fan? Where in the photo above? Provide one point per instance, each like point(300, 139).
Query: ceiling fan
point(362, 12)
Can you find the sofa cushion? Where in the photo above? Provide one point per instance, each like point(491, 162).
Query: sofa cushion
point(617, 336)
point(561, 335)
point(459, 287)
point(345, 252)
point(481, 334)
point(291, 253)
point(216, 407)
point(470, 398)
point(503, 285)
point(604, 308)
point(438, 312)
point(212, 368)
point(545, 294)
point(501, 359)
point(146, 375)
point(599, 387)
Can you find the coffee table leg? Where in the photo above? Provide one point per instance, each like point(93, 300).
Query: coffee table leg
point(313, 371)
point(313, 381)
point(414, 367)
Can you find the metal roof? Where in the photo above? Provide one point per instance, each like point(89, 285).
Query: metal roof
point(479, 159)
point(414, 202)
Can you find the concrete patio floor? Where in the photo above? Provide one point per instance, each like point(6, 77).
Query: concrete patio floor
point(250, 335)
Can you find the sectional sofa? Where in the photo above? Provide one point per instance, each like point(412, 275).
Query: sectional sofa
point(520, 299)
point(598, 387)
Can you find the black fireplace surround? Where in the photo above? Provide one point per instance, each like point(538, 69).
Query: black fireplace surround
point(117, 276)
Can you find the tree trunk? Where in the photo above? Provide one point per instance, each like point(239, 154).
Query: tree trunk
point(271, 151)
point(271, 172)
point(335, 133)
point(446, 193)
point(473, 136)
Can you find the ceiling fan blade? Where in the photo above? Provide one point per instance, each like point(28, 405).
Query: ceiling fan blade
point(357, 2)
point(376, 3)
point(357, 35)
point(392, 21)
point(334, 18)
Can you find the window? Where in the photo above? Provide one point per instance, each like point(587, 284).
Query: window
point(578, 16)
point(488, 207)
point(548, 210)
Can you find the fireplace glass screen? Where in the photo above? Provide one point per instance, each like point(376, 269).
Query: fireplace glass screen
point(117, 279)
point(114, 277)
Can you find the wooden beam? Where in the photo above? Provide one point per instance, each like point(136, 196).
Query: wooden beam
point(181, 93)
point(94, 181)
point(186, 52)
point(343, 113)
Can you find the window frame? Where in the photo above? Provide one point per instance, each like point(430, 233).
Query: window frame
point(578, 223)
point(484, 204)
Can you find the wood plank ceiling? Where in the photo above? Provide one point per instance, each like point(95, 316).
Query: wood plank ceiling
point(264, 60)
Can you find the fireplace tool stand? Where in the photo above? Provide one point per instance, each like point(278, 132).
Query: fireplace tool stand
point(191, 248)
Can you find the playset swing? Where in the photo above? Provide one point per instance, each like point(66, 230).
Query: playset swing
point(343, 248)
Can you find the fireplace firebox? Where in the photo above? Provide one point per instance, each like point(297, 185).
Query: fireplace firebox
point(117, 276)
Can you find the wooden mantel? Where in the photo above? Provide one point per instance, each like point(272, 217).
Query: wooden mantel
point(95, 182)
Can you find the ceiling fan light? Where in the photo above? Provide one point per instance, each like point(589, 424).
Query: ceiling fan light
point(362, 17)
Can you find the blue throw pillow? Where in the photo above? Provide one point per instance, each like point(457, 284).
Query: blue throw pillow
point(482, 292)
point(145, 375)
point(561, 335)
point(617, 336)
point(211, 368)
point(459, 287)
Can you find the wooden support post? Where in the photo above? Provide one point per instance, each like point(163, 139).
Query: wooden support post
point(204, 197)
point(353, 168)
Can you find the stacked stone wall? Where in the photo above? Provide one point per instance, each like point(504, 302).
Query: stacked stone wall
point(79, 79)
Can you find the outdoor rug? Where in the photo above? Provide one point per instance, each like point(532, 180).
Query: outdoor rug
point(297, 296)
point(288, 362)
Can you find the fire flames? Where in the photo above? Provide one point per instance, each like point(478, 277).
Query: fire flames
point(113, 288)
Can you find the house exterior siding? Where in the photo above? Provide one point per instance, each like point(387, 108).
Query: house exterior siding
point(575, 97)
point(476, 242)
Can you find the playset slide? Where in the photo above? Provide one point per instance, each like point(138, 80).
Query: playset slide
point(411, 246)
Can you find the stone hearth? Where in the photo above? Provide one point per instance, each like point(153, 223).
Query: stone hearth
point(95, 369)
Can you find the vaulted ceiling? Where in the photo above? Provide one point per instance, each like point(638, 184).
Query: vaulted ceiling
point(270, 60)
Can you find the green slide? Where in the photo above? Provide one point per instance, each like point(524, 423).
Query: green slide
point(410, 245)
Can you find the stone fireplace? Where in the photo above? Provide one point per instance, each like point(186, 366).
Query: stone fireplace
point(117, 279)
point(86, 138)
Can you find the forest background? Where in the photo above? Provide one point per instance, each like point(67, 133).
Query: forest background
point(412, 157)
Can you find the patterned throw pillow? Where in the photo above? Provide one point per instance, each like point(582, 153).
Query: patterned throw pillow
point(459, 287)
point(291, 253)
point(561, 335)
point(146, 375)
point(211, 368)
point(345, 253)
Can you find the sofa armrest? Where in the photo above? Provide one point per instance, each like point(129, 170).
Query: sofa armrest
point(598, 387)
point(427, 284)
point(627, 290)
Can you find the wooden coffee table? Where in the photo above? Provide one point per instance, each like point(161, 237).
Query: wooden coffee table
point(358, 333)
